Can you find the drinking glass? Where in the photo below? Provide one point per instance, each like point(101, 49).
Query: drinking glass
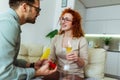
point(68, 50)
point(64, 76)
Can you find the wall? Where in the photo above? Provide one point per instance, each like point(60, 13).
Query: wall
point(47, 21)
point(35, 33)
point(59, 9)
point(3, 5)
point(103, 20)
point(74, 4)
point(82, 10)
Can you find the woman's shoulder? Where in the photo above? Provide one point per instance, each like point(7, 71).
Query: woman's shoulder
point(57, 37)
point(82, 38)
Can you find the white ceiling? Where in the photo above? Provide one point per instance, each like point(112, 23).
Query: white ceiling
point(99, 3)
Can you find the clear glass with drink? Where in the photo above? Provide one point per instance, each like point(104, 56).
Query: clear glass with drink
point(68, 50)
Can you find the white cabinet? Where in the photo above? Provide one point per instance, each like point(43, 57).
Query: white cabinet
point(95, 27)
point(111, 66)
point(102, 20)
point(113, 27)
point(100, 27)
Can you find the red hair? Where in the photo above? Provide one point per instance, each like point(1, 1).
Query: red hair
point(77, 28)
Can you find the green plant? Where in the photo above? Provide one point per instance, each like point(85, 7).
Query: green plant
point(107, 40)
point(52, 34)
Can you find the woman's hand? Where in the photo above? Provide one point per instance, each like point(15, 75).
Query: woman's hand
point(73, 56)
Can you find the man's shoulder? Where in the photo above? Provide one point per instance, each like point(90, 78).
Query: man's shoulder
point(7, 18)
point(9, 15)
point(5, 15)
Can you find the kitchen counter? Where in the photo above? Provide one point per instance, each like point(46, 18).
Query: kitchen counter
point(114, 50)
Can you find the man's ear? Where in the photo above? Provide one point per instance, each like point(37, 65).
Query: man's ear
point(24, 7)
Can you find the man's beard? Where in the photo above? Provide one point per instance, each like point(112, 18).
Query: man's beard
point(30, 21)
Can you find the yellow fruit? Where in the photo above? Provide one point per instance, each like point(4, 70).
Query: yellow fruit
point(45, 54)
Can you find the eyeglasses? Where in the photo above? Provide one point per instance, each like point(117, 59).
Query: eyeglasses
point(65, 19)
point(36, 8)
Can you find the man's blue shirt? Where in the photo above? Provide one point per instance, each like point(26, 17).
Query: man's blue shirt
point(9, 48)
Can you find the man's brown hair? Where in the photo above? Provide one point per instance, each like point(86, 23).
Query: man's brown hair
point(15, 3)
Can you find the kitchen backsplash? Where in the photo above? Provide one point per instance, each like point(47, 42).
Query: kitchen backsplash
point(97, 42)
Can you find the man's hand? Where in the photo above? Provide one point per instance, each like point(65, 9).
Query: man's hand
point(39, 63)
point(44, 70)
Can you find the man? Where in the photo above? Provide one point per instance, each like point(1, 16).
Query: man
point(20, 12)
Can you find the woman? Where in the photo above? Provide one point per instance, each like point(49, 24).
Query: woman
point(70, 35)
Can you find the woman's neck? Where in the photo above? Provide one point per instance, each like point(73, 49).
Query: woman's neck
point(68, 34)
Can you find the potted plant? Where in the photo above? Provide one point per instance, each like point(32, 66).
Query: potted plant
point(52, 34)
point(106, 42)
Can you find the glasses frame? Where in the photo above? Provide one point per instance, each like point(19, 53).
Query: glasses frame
point(36, 8)
point(65, 19)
